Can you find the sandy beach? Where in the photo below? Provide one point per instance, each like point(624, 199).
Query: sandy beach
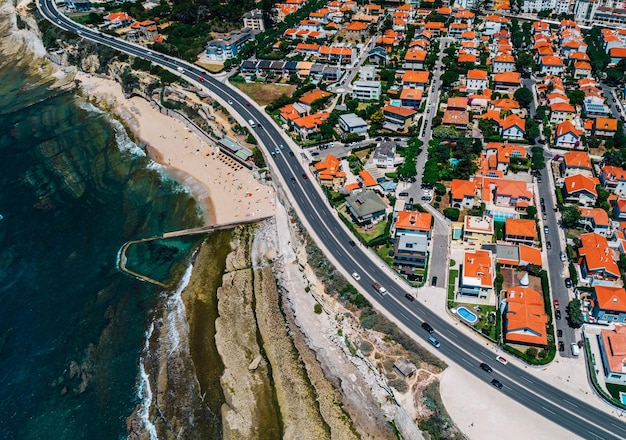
point(228, 191)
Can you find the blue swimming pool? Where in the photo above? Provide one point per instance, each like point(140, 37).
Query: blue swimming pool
point(467, 314)
point(622, 397)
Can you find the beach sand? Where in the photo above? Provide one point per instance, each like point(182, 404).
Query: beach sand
point(228, 191)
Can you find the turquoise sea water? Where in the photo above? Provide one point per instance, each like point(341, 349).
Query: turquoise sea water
point(73, 189)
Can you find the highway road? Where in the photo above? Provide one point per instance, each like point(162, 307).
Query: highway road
point(577, 416)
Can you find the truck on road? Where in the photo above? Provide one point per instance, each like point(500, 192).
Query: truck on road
point(380, 289)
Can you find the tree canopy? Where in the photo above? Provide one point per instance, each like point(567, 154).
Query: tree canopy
point(523, 96)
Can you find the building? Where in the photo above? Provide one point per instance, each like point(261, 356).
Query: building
point(477, 274)
point(567, 135)
point(609, 304)
point(521, 231)
point(580, 189)
point(417, 79)
point(561, 111)
point(525, 318)
point(366, 207)
point(576, 162)
point(463, 193)
point(503, 62)
point(596, 262)
point(385, 155)
point(413, 222)
point(605, 127)
point(222, 49)
point(551, 65)
point(478, 230)
point(328, 172)
point(351, 123)
point(513, 127)
point(366, 90)
point(612, 344)
point(410, 97)
point(398, 118)
point(412, 233)
point(613, 179)
point(595, 220)
point(507, 81)
point(254, 20)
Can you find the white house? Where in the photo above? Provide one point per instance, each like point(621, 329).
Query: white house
point(366, 90)
point(567, 135)
point(476, 80)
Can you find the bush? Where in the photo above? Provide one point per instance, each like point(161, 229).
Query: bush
point(452, 213)
point(318, 308)
point(366, 347)
point(532, 352)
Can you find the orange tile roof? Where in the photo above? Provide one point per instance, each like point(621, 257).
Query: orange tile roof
point(617, 52)
point(478, 265)
point(311, 121)
point(457, 102)
point(307, 47)
point(578, 159)
point(460, 189)
point(520, 227)
point(416, 76)
point(330, 165)
point(582, 65)
point(415, 221)
point(455, 117)
point(476, 74)
point(609, 124)
point(525, 316)
point(531, 255)
point(506, 104)
point(464, 14)
point(562, 107)
point(517, 189)
point(597, 254)
point(411, 93)
point(435, 25)
point(611, 298)
point(551, 61)
point(513, 120)
point(313, 95)
point(122, 16)
point(356, 26)
point(599, 215)
point(614, 173)
point(615, 347)
point(288, 113)
point(465, 57)
point(352, 186)
point(336, 50)
point(402, 111)
point(367, 179)
point(567, 127)
point(507, 77)
point(415, 55)
point(579, 182)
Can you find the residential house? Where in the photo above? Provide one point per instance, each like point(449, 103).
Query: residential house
point(478, 230)
point(398, 118)
point(417, 79)
point(617, 54)
point(503, 62)
point(511, 193)
point(412, 233)
point(506, 104)
point(561, 111)
point(609, 304)
point(619, 210)
point(456, 118)
point(525, 317)
point(594, 106)
point(328, 172)
point(499, 155)
point(463, 193)
point(118, 19)
point(457, 103)
point(582, 69)
point(494, 24)
point(613, 179)
point(597, 266)
point(551, 65)
point(576, 162)
point(476, 80)
point(411, 97)
point(356, 29)
point(513, 127)
point(291, 112)
point(314, 95)
point(507, 81)
point(351, 123)
point(254, 20)
point(366, 90)
point(338, 54)
point(567, 135)
point(612, 345)
point(580, 189)
point(385, 155)
point(605, 127)
point(522, 231)
point(529, 255)
point(366, 207)
point(414, 59)
point(307, 125)
point(477, 274)
point(595, 220)
point(366, 180)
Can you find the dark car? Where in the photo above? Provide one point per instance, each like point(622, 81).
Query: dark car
point(557, 314)
point(542, 201)
point(409, 297)
point(561, 346)
point(548, 245)
point(486, 367)
point(247, 104)
point(352, 242)
point(291, 153)
point(559, 333)
point(568, 282)
point(426, 326)
point(293, 180)
point(496, 383)
point(434, 281)
point(304, 176)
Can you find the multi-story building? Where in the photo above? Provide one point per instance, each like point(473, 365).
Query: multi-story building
point(366, 90)
point(525, 317)
point(477, 274)
point(222, 49)
point(254, 20)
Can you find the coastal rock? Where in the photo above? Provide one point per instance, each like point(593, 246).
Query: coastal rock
point(255, 363)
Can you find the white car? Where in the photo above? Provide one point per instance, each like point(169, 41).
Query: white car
point(356, 276)
point(502, 360)
point(230, 102)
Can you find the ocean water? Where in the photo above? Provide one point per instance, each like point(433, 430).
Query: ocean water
point(73, 189)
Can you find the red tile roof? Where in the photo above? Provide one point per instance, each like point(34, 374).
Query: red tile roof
point(525, 317)
point(415, 221)
point(520, 228)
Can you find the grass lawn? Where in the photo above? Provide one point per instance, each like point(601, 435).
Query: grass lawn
point(370, 234)
point(264, 94)
point(454, 274)
point(211, 67)
point(383, 252)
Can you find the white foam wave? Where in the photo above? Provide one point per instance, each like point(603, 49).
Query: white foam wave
point(144, 392)
point(176, 321)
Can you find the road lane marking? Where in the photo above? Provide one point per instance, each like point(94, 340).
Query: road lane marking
point(571, 403)
point(547, 410)
point(526, 379)
point(618, 427)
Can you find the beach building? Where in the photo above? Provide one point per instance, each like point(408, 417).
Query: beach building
point(524, 316)
point(477, 274)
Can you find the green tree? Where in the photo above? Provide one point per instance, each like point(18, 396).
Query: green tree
point(523, 96)
point(377, 118)
point(576, 96)
point(532, 129)
point(449, 77)
point(531, 211)
point(570, 215)
point(525, 60)
point(452, 213)
point(540, 112)
point(574, 313)
point(538, 161)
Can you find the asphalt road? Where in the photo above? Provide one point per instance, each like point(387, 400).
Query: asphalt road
point(573, 414)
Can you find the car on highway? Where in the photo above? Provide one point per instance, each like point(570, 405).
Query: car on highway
point(304, 176)
point(568, 282)
point(201, 79)
point(502, 360)
point(426, 326)
point(486, 367)
point(247, 104)
point(230, 102)
point(356, 276)
point(351, 242)
point(282, 147)
point(293, 180)
point(496, 383)
point(561, 346)
point(409, 297)
point(434, 342)
point(548, 245)
point(291, 153)
point(557, 314)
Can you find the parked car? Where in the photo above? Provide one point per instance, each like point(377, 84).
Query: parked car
point(557, 314)
point(434, 281)
point(404, 194)
point(568, 282)
point(426, 326)
point(561, 346)
point(563, 257)
point(546, 230)
point(486, 367)
point(496, 383)
point(548, 245)
point(556, 304)
point(559, 333)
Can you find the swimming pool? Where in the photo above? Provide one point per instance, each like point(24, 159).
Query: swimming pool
point(622, 397)
point(467, 314)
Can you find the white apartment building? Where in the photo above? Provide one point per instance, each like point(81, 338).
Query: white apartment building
point(254, 20)
point(366, 90)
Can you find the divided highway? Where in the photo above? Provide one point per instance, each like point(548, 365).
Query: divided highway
point(579, 417)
